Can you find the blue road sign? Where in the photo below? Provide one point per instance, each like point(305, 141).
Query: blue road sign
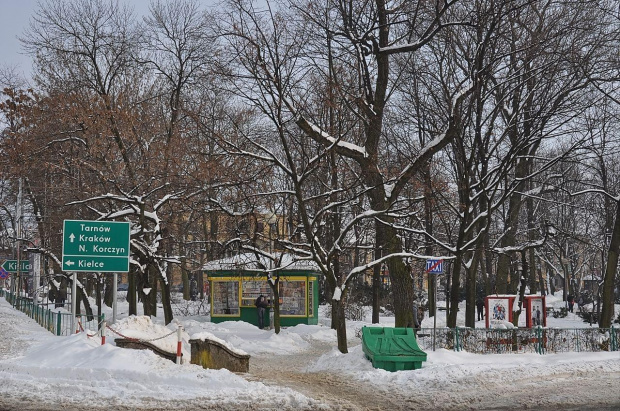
point(434, 266)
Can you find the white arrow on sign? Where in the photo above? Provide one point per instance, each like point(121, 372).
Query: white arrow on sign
point(69, 263)
point(71, 237)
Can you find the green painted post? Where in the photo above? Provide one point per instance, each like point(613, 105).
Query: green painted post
point(614, 339)
point(578, 347)
point(456, 339)
point(58, 319)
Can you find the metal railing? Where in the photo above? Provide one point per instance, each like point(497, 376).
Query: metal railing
point(475, 340)
point(520, 340)
point(56, 322)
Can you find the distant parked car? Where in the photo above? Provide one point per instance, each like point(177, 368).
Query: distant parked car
point(122, 287)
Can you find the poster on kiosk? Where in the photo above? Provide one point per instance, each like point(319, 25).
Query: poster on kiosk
point(499, 311)
point(536, 312)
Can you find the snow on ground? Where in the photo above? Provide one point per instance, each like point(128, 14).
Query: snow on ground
point(300, 368)
point(77, 371)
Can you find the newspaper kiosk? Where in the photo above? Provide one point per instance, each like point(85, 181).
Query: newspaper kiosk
point(235, 284)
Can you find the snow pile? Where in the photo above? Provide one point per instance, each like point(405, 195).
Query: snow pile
point(249, 339)
point(78, 371)
point(502, 325)
point(142, 328)
point(208, 336)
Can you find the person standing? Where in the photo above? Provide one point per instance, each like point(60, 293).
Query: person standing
point(193, 289)
point(571, 303)
point(480, 308)
point(416, 320)
point(261, 308)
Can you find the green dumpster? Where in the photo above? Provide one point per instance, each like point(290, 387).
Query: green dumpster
point(392, 349)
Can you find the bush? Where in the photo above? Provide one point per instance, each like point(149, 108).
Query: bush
point(563, 312)
point(181, 307)
point(352, 311)
point(355, 312)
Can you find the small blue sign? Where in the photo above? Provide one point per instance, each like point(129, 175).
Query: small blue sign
point(434, 266)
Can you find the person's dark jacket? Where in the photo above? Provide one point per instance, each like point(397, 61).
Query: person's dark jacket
point(262, 303)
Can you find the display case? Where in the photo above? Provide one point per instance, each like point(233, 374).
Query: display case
point(293, 297)
point(225, 297)
point(252, 289)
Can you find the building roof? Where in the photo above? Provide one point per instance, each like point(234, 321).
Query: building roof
point(248, 261)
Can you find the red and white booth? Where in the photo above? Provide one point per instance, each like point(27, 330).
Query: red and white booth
point(498, 309)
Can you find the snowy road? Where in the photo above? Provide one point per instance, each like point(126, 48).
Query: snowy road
point(317, 377)
point(591, 389)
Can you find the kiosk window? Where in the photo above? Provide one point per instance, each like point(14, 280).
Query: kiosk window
point(252, 289)
point(226, 298)
point(293, 298)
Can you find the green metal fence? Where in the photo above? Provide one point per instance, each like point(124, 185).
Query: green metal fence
point(56, 322)
point(520, 340)
point(475, 340)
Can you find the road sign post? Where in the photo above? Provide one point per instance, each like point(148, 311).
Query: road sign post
point(434, 267)
point(95, 246)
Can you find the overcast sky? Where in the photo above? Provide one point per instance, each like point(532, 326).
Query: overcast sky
point(14, 15)
point(14, 18)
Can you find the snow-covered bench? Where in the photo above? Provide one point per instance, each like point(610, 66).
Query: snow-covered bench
point(141, 345)
point(211, 352)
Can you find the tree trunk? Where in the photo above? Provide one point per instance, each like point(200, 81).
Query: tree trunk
point(504, 284)
point(149, 301)
point(184, 270)
point(607, 311)
point(522, 284)
point(454, 292)
point(108, 296)
point(132, 292)
point(428, 217)
point(275, 289)
point(338, 318)
point(488, 264)
point(165, 301)
point(529, 203)
point(541, 281)
point(470, 307)
point(82, 297)
point(376, 285)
